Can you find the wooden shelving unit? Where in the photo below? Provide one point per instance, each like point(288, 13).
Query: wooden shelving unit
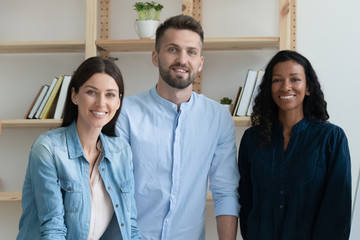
point(90, 47)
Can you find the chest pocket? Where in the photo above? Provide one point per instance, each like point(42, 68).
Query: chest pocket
point(125, 186)
point(72, 195)
point(125, 192)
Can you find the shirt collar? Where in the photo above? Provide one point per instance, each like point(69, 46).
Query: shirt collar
point(105, 145)
point(155, 95)
point(73, 141)
point(74, 144)
point(302, 124)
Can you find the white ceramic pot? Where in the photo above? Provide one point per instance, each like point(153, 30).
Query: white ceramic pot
point(229, 106)
point(146, 28)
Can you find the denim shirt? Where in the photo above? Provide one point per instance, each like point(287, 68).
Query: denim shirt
point(56, 198)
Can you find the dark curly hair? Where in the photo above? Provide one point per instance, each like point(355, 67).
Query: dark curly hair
point(83, 73)
point(265, 111)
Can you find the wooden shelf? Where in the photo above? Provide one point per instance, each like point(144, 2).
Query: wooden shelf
point(54, 123)
point(210, 44)
point(30, 123)
point(242, 121)
point(241, 43)
point(42, 46)
point(10, 196)
point(131, 45)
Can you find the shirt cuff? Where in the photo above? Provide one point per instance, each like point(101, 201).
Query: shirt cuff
point(227, 206)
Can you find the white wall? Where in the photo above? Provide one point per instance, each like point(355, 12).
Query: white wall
point(325, 34)
point(329, 35)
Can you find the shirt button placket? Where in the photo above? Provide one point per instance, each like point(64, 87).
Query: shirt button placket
point(281, 176)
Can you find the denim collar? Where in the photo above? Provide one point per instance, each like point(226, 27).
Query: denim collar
point(74, 145)
point(73, 141)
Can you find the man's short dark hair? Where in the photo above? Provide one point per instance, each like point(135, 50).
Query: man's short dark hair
point(180, 22)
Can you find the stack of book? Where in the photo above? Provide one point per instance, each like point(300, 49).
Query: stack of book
point(246, 94)
point(50, 99)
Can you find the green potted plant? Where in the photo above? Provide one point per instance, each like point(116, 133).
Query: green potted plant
point(148, 18)
point(227, 102)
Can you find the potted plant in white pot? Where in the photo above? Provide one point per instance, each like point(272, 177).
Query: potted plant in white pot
point(148, 18)
point(227, 102)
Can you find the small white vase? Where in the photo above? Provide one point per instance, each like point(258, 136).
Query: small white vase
point(229, 106)
point(146, 28)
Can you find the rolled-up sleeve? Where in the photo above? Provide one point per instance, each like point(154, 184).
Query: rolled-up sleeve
point(224, 174)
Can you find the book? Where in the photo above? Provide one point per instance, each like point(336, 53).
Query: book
point(38, 101)
point(236, 102)
point(43, 102)
point(247, 91)
point(33, 102)
point(62, 97)
point(259, 78)
point(49, 108)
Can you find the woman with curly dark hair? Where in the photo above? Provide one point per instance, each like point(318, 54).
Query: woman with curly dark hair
point(294, 165)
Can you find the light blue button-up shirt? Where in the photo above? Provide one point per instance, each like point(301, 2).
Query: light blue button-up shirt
point(175, 153)
point(56, 198)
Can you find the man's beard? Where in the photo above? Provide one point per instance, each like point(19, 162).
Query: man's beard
point(177, 81)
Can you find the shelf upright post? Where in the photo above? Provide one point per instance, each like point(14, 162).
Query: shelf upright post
point(105, 24)
point(193, 8)
point(91, 28)
point(287, 27)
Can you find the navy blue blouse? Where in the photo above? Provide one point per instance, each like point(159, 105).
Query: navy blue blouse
point(303, 193)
